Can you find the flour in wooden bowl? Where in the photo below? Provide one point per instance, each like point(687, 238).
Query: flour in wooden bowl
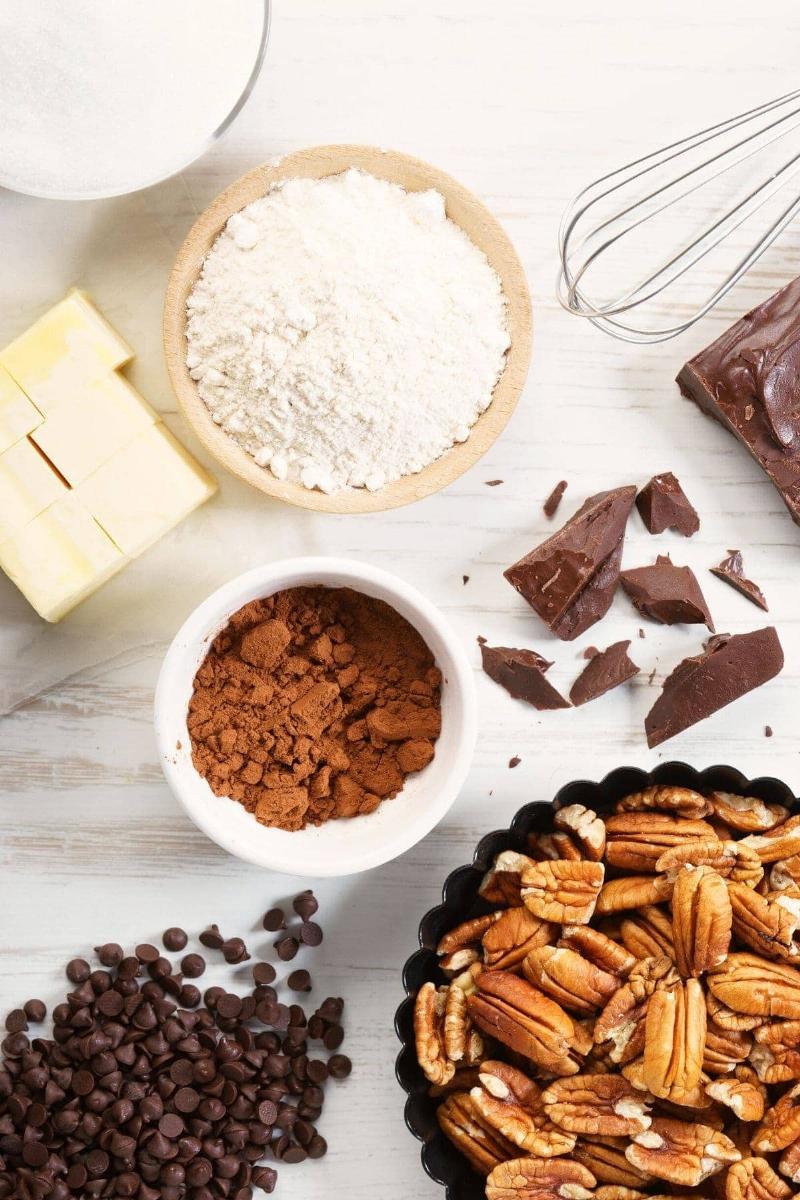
point(345, 332)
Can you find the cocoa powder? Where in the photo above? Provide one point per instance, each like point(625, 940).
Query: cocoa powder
point(312, 704)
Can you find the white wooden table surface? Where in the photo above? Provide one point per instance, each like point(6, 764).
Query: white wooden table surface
point(524, 101)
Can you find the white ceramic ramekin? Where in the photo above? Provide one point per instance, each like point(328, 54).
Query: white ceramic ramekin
point(340, 847)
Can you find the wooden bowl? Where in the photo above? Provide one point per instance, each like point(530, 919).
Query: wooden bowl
point(413, 175)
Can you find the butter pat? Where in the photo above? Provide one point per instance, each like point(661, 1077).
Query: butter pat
point(28, 485)
point(67, 347)
point(85, 430)
point(60, 557)
point(145, 489)
point(18, 416)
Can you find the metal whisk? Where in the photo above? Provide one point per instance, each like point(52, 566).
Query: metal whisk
point(606, 218)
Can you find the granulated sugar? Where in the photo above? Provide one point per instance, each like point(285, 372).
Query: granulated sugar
point(105, 96)
point(345, 332)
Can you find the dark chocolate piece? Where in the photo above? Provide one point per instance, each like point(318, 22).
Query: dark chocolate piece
point(729, 667)
point(668, 594)
point(521, 673)
point(767, 731)
point(514, 762)
point(749, 381)
point(605, 670)
point(663, 504)
point(493, 482)
point(731, 569)
point(554, 499)
point(570, 579)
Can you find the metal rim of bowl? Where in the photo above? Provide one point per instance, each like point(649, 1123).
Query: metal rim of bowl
point(440, 1160)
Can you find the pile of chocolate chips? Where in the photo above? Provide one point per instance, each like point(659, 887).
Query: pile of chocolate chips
point(148, 1089)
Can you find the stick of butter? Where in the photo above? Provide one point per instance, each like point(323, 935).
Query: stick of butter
point(89, 476)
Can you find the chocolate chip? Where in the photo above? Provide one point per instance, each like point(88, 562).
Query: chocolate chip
point(339, 1066)
point(310, 933)
point(111, 954)
point(287, 947)
point(229, 1006)
point(274, 920)
point(174, 938)
point(189, 996)
point(147, 953)
point(331, 1008)
point(171, 1125)
point(16, 1021)
point(294, 1154)
point(265, 1178)
point(299, 981)
point(212, 938)
point(186, 1100)
point(333, 1038)
point(264, 973)
point(78, 970)
point(193, 965)
point(305, 905)
point(35, 1010)
point(317, 1070)
point(317, 1147)
point(234, 951)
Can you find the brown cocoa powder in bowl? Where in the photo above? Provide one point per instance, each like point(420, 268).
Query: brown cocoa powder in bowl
point(312, 704)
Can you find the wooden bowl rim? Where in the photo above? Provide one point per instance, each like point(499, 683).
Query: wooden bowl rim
point(415, 175)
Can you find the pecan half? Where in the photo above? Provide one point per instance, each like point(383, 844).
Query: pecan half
point(596, 1104)
point(742, 1094)
point(769, 926)
point(748, 814)
point(781, 1124)
point(514, 935)
point(572, 980)
point(776, 1053)
point(429, 1034)
point(458, 1044)
point(789, 1162)
point(483, 1147)
point(600, 949)
point(754, 1179)
point(674, 1042)
point(605, 1158)
point(727, 1019)
point(520, 1016)
point(468, 933)
point(665, 798)
point(648, 933)
point(725, 1048)
point(633, 891)
point(681, 1153)
point(781, 842)
point(701, 920)
point(748, 984)
point(512, 1104)
point(636, 840)
point(540, 1179)
point(694, 1101)
point(501, 883)
point(585, 828)
point(561, 891)
point(621, 1024)
point(784, 875)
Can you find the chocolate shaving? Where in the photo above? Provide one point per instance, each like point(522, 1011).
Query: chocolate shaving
point(605, 670)
point(493, 482)
point(729, 667)
point(663, 504)
point(731, 569)
point(554, 499)
point(521, 673)
point(570, 579)
point(668, 594)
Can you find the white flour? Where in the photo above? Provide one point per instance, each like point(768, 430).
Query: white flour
point(345, 332)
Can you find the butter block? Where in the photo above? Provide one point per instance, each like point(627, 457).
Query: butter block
point(18, 415)
point(60, 557)
point(69, 346)
point(145, 489)
point(84, 431)
point(28, 485)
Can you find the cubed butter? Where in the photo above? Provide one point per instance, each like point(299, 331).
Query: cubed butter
point(69, 346)
point(18, 415)
point(145, 489)
point(60, 557)
point(28, 485)
point(85, 431)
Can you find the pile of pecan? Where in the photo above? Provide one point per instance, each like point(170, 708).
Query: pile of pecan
point(625, 1023)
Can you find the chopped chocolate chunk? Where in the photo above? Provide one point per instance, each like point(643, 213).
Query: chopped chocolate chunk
point(590, 652)
point(493, 482)
point(731, 569)
point(767, 731)
point(729, 667)
point(554, 499)
point(570, 579)
point(514, 762)
point(605, 670)
point(521, 673)
point(465, 579)
point(663, 504)
point(668, 594)
point(749, 381)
